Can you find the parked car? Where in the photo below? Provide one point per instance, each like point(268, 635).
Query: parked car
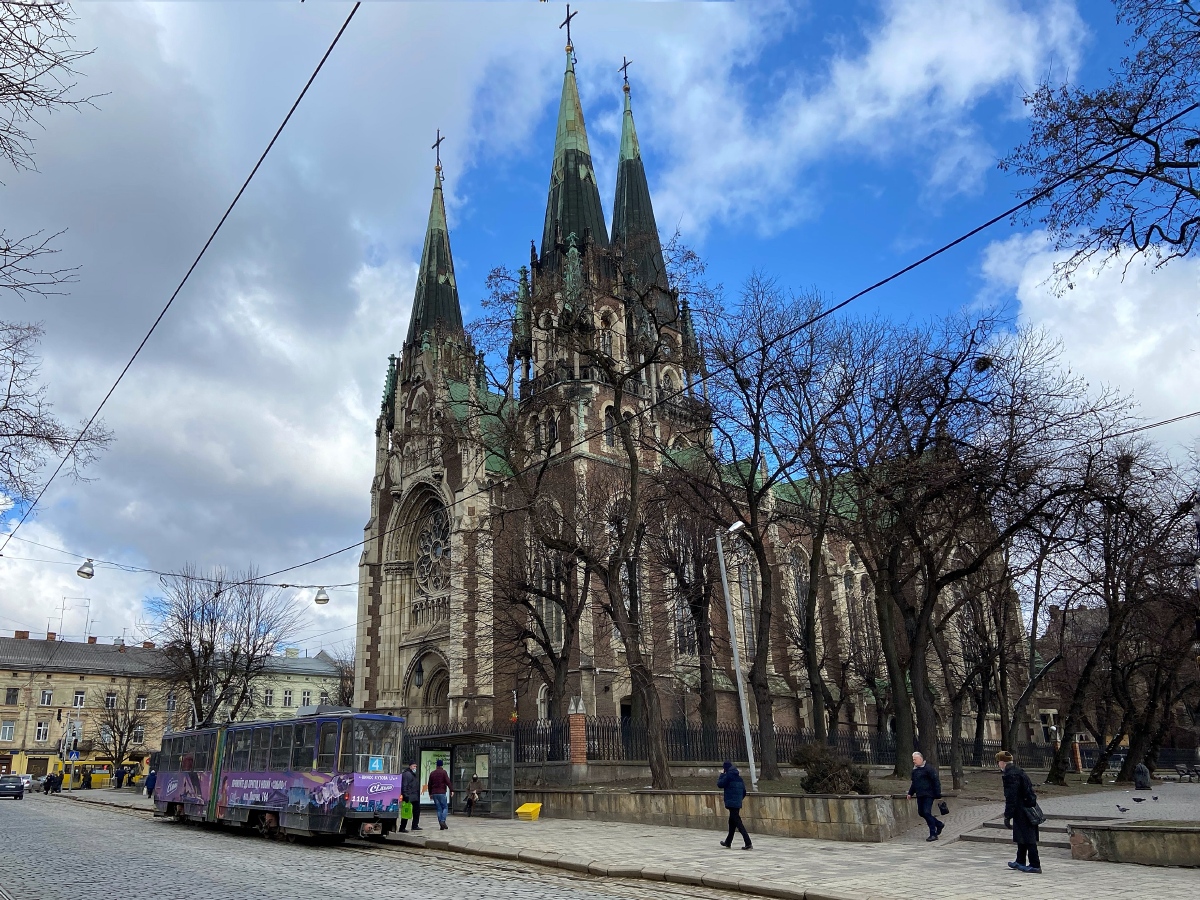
point(26, 780)
point(12, 786)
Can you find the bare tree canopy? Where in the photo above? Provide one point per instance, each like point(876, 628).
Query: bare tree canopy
point(217, 631)
point(125, 714)
point(1143, 200)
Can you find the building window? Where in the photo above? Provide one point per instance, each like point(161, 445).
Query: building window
point(79, 698)
point(7, 728)
point(47, 698)
point(801, 585)
point(610, 428)
point(171, 702)
point(106, 734)
point(305, 698)
point(140, 703)
point(324, 698)
point(12, 696)
point(287, 698)
point(139, 734)
point(748, 578)
point(543, 703)
point(685, 628)
point(269, 697)
point(110, 700)
point(43, 732)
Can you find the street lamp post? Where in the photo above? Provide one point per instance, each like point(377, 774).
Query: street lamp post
point(737, 664)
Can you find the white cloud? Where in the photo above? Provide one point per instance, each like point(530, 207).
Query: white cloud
point(1139, 333)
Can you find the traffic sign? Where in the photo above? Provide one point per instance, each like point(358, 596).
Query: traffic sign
point(74, 755)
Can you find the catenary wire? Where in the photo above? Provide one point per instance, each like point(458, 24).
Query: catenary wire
point(91, 420)
point(766, 345)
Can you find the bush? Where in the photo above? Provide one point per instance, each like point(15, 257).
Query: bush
point(827, 773)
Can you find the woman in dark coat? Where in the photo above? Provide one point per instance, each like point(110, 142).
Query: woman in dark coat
point(1019, 796)
point(730, 782)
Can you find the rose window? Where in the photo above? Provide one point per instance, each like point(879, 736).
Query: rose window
point(433, 555)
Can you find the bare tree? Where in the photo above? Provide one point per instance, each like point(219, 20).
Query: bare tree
point(1143, 200)
point(125, 714)
point(217, 632)
point(342, 658)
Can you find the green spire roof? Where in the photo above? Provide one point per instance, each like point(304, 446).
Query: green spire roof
point(634, 229)
point(574, 202)
point(435, 306)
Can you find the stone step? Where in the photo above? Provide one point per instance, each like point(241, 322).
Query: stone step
point(992, 836)
point(1047, 827)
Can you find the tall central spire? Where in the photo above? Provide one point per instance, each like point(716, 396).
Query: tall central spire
point(435, 306)
point(573, 206)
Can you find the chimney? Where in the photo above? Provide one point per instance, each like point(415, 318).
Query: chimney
point(292, 652)
point(21, 635)
point(50, 635)
point(119, 642)
point(92, 639)
point(147, 645)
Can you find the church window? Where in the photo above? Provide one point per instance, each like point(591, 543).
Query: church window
point(610, 428)
point(801, 585)
point(543, 703)
point(748, 583)
point(606, 336)
point(668, 384)
point(685, 624)
point(551, 433)
point(433, 555)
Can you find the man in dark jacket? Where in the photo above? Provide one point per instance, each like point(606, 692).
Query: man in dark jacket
point(410, 792)
point(439, 793)
point(730, 781)
point(1019, 796)
point(926, 787)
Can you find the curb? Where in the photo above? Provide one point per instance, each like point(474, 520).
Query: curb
point(752, 886)
point(97, 802)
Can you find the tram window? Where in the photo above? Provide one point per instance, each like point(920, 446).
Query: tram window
point(327, 747)
point(260, 755)
point(239, 759)
point(170, 755)
point(373, 745)
point(176, 750)
point(281, 748)
point(187, 760)
point(302, 747)
point(204, 745)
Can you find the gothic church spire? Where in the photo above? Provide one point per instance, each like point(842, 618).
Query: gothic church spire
point(435, 306)
point(634, 230)
point(573, 206)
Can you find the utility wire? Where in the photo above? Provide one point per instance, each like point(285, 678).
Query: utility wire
point(791, 332)
point(75, 443)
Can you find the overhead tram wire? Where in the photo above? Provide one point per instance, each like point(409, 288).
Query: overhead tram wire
point(791, 332)
point(75, 443)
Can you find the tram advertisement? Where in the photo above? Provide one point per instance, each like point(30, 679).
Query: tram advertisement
point(312, 791)
point(184, 787)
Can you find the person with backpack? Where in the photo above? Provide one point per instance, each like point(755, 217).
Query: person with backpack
point(1020, 800)
point(730, 781)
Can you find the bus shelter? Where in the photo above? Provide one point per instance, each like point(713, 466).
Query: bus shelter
point(489, 757)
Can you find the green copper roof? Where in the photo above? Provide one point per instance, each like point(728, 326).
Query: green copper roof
point(574, 201)
point(435, 306)
point(634, 229)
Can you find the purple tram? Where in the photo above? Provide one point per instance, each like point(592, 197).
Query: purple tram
point(325, 772)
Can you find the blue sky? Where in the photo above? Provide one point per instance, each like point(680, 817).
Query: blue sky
point(825, 144)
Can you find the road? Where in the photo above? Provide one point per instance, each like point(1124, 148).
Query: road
point(57, 849)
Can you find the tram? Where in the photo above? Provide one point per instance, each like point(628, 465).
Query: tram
point(327, 771)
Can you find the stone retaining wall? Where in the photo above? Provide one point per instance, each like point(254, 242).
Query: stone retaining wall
point(871, 818)
point(1147, 845)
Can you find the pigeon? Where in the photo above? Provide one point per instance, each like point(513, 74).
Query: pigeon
point(1139, 799)
point(1154, 797)
point(1122, 808)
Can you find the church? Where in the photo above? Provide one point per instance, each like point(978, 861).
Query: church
point(474, 607)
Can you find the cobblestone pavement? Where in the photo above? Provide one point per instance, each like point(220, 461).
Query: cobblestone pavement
point(54, 849)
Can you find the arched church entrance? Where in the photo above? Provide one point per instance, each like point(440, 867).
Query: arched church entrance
point(428, 690)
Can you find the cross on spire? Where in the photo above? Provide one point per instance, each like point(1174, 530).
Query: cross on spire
point(624, 70)
point(437, 148)
point(566, 23)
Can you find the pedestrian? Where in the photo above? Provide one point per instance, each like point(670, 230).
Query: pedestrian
point(439, 793)
point(47, 784)
point(58, 780)
point(410, 793)
point(926, 787)
point(118, 777)
point(86, 781)
point(730, 781)
point(1141, 777)
point(473, 791)
point(1019, 797)
point(151, 780)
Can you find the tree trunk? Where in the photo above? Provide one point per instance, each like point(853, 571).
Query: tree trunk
point(985, 679)
point(769, 764)
point(901, 708)
point(1097, 774)
point(1009, 735)
point(956, 760)
point(812, 657)
point(656, 735)
point(708, 690)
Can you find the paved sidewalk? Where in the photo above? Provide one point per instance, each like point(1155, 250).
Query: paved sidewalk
point(106, 797)
point(804, 869)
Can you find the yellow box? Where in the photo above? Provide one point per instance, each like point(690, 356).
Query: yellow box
point(529, 812)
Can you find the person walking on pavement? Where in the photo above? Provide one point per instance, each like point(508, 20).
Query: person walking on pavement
point(926, 787)
point(410, 792)
point(439, 793)
point(730, 781)
point(151, 780)
point(1019, 796)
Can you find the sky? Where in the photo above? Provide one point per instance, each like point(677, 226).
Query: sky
point(824, 144)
